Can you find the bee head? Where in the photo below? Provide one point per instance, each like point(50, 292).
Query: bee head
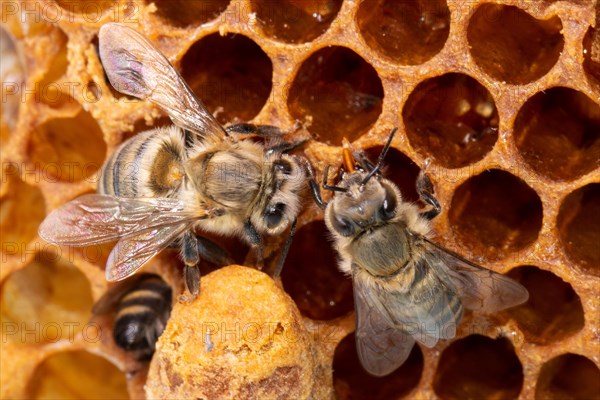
point(362, 206)
point(363, 199)
point(286, 180)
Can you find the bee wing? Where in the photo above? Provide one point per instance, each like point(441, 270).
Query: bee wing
point(95, 218)
point(135, 67)
point(382, 347)
point(134, 250)
point(478, 288)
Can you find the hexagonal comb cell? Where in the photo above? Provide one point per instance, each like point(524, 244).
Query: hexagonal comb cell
point(511, 45)
point(546, 319)
point(410, 32)
point(77, 375)
point(477, 367)
point(399, 169)
point(591, 54)
point(490, 223)
point(68, 149)
point(47, 301)
point(229, 73)
point(557, 132)
point(319, 289)
point(453, 118)
point(295, 21)
point(49, 90)
point(568, 376)
point(12, 78)
point(22, 209)
point(579, 227)
point(351, 381)
point(340, 91)
point(185, 13)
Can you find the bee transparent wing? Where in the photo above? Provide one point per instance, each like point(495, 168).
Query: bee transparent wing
point(134, 250)
point(478, 288)
point(95, 218)
point(382, 347)
point(135, 67)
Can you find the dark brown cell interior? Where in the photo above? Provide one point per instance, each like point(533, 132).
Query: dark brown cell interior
point(545, 318)
point(557, 132)
point(233, 246)
point(295, 21)
point(229, 73)
point(186, 13)
point(77, 375)
point(47, 301)
point(452, 118)
point(494, 214)
point(569, 376)
point(478, 367)
point(351, 381)
point(591, 55)
point(311, 276)
point(12, 76)
point(410, 32)
point(579, 227)
point(512, 46)
point(340, 91)
point(22, 210)
point(68, 149)
point(399, 169)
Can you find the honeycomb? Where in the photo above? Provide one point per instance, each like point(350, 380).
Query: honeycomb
point(503, 96)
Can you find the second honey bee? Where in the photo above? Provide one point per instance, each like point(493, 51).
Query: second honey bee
point(142, 306)
point(165, 184)
point(406, 287)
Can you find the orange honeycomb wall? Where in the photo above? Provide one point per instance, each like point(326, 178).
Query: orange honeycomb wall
point(503, 96)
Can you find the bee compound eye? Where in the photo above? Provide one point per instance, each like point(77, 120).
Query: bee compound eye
point(343, 225)
point(388, 207)
point(284, 166)
point(274, 215)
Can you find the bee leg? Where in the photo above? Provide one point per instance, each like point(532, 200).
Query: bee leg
point(191, 258)
point(312, 182)
point(255, 241)
point(213, 253)
point(270, 132)
point(266, 131)
point(326, 186)
point(425, 191)
point(285, 147)
point(284, 252)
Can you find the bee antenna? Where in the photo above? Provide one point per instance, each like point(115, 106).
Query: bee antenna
point(382, 155)
point(326, 186)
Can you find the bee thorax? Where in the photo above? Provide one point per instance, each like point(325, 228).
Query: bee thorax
point(228, 179)
point(377, 254)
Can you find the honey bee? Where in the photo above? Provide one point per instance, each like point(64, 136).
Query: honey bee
point(164, 184)
point(142, 306)
point(406, 287)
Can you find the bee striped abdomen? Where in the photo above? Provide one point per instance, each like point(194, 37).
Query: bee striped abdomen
point(141, 317)
point(148, 165)
point(438, 307)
